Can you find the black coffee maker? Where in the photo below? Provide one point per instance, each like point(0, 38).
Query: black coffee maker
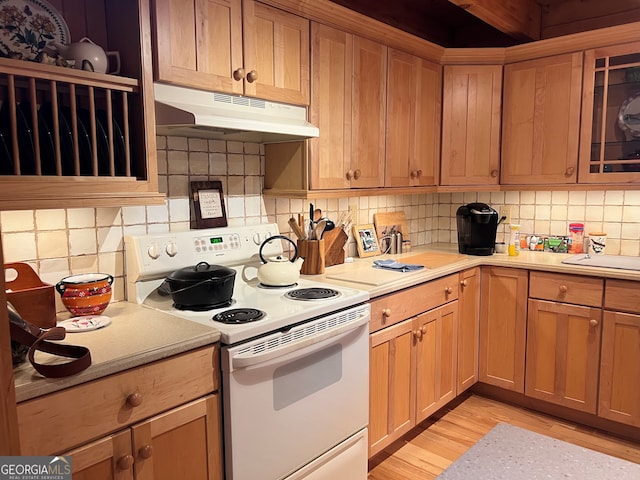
point(477, 225)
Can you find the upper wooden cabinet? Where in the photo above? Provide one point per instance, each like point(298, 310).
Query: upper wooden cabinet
point(541, 120)
point(348, 104)
point(471, 103)
point(233, 46)
point(610, 133)
point(413, 120)
point(72, 138)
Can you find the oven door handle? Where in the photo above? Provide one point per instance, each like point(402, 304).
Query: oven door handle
point(337, 333)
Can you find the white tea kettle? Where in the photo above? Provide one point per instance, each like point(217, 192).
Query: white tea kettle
point(279, 271)
point(86, 55)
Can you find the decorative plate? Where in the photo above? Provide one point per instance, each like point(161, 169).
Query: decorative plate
point(85, 324)
point(629, 115)
point(28, 26)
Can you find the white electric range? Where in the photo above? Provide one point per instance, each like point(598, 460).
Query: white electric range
point(295, 382)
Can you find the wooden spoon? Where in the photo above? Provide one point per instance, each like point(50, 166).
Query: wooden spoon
point(318, 230)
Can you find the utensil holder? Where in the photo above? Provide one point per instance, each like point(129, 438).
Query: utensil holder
point(313, 253)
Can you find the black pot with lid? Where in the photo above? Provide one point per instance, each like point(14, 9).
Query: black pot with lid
point(199, 286)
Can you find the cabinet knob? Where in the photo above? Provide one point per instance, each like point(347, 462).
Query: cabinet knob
point(464, 283)
point(386, 312)
point(569, 171)
point(145, 451)
point(349, 174)
point(417, 334)
point(413, 174)
point(134, 399)
point(125, 463)
point(357, 174)
point(494, 173)
point(423, 330)
point(563, 289)
point(593, 322)
point(238, 74)
point(448, 290)
point(252, 76)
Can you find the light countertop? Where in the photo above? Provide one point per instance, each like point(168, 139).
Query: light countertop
point(137, 335)
point(362, 275)
point(140, 335)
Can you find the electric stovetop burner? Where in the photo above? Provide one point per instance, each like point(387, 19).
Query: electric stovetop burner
point(239, 315)
point(203, 308)
point(313, 293)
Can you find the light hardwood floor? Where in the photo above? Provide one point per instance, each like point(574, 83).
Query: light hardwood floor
point(435, 444)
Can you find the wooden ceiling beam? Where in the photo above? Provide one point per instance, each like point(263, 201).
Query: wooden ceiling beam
point(519, 19)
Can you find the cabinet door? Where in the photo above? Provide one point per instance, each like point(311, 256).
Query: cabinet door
point(412, 126)
point(330, 111)
point(471, 108)
point(107, 458)
point(541, 120)
point(276, 50)
point(436, 358)
point(468, 329)
point(181, 443)
point(503, 320)
point(199, 43)
point(563, 354)
point(391, 385)
point(619, 398)
point(610, 132)
point(368, 103)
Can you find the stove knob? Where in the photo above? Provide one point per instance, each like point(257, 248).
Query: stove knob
point(171, 249)
point(256, 238)
point(153, 251)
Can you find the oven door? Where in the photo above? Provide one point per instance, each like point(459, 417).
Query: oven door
point(290, 397)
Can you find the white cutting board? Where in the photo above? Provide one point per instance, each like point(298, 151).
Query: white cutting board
point(622, 262)
point(364, 273)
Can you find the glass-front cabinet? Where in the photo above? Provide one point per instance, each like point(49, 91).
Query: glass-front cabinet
point(610, 136)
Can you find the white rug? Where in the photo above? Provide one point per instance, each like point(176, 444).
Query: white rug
point(512, 453)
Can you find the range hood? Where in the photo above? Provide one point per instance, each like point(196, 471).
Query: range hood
point(188, 112)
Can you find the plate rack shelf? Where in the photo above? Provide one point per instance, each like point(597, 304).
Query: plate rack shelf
point(73, 138)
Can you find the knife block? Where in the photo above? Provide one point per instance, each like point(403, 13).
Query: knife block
point(313, 253)
point(334, 241)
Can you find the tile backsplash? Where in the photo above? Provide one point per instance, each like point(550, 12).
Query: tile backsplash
point(58, 243)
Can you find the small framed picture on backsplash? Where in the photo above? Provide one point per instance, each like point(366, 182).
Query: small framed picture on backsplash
point(365, 236)
point(207, 204)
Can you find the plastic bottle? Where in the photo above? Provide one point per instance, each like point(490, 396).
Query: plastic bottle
point(576, 237)
point(514, 240)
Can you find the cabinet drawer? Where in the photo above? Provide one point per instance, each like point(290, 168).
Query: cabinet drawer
point(566, 288)
point(62, 420)
point(622, 295)
point(395, 307)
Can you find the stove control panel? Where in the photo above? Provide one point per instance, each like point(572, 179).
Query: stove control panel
point(161, 253)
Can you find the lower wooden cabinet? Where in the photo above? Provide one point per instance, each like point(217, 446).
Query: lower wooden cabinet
point(563, 354)
point(503, 320)
point(391, 385)
point(412, 373)
point(435, 334)
point(413, 357)
point(619, 392)
point(182, 443)
point(155, 421)
point(468, 328)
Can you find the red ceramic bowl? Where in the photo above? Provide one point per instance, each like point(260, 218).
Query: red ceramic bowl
point(86, 294)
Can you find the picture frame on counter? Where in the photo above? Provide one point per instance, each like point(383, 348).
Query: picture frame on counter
point(366, 240)
point(207, 204)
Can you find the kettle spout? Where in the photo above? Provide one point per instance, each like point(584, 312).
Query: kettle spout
point(298, 263)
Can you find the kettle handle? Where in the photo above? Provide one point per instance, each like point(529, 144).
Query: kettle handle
point(281, 237)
